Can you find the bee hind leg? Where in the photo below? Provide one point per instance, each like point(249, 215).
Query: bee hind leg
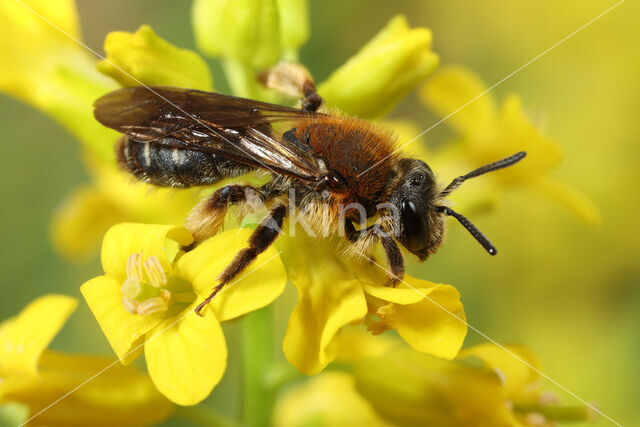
point(205, 219)
point(261, 238)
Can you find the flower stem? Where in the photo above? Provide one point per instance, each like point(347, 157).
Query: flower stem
point(240, 77)
point(258, 360)
point(202, 415)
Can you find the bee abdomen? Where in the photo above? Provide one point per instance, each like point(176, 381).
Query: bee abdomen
point(166, 166)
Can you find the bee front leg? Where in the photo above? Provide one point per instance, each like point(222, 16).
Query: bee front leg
point(366, 238)
point(395, 259)
point(261, 238)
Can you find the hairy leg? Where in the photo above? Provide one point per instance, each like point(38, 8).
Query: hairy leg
point(261, 238)
point(364, 239)
point(205, 219)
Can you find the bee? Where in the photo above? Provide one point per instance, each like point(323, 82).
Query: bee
point(331, 168)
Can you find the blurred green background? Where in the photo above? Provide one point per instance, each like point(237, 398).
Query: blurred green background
point(569, 292)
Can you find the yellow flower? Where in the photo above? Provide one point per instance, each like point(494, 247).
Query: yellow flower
point(385, 69)
point(488, 133)
point(45, 68)
point(483, 386)
point(335, 291)
point(145, 57)
point(147, 296)
point(36, 377)
point(328, 399)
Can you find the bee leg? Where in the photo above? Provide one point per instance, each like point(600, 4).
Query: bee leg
point(366, 238)
point(261, 238)
point(311, 101)
point(205, 219)
point(293, 79)
point(395, 259)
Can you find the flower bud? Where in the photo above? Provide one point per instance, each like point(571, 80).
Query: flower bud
point(144, 58)
point(294, 26)
point(373, 81)
point(247, 31)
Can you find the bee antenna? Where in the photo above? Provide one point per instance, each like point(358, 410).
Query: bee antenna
point(500, 164)
point(477, 234)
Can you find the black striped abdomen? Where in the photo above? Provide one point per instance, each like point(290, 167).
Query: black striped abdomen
point(166, 166)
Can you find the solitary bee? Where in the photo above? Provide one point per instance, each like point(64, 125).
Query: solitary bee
point(340, 173)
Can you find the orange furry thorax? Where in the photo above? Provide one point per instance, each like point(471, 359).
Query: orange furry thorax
point(350, 146)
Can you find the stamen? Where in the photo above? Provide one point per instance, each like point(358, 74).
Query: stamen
point(154, 271)
point(134, 270)
point(152, 305)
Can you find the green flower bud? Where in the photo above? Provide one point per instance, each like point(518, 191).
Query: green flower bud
point(247, 31)
point(294, 26)
point(373, 81)
point(143, 57)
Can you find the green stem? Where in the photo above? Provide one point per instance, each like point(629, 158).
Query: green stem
point(202, 415)
point(259, 397)
point(240, 77)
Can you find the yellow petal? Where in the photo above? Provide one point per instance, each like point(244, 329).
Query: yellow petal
point(371, 82)
point(510, 364)
point(47, 69)
point(144, 58)
point(186, 357)
point(356, 343)
point(324, 307)
point(428, 316)
point(255, 287)
point(329, 297)
point(451, 88)
point(82, 220)
point(125, 331)
point(411, 388)
point(122, 240)
point(23, 338)
point(517, 131)
point(329, 399)
point(570, 198)
point(115, 394)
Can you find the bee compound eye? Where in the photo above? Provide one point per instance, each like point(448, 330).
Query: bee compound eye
point(415, 227)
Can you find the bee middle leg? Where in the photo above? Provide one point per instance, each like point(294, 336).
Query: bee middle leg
point(261, 238)
point(365, 238)
point(205, 219)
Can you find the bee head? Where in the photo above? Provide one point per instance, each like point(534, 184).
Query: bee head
point(419, 227)
point(420, 217)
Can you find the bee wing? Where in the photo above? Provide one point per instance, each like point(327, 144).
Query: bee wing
point(235, 128)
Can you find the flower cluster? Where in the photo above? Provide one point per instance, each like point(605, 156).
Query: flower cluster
point(153, 278)
point(34, 377)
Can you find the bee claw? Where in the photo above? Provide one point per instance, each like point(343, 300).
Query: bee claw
point(204, 303)
point(392, 282)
